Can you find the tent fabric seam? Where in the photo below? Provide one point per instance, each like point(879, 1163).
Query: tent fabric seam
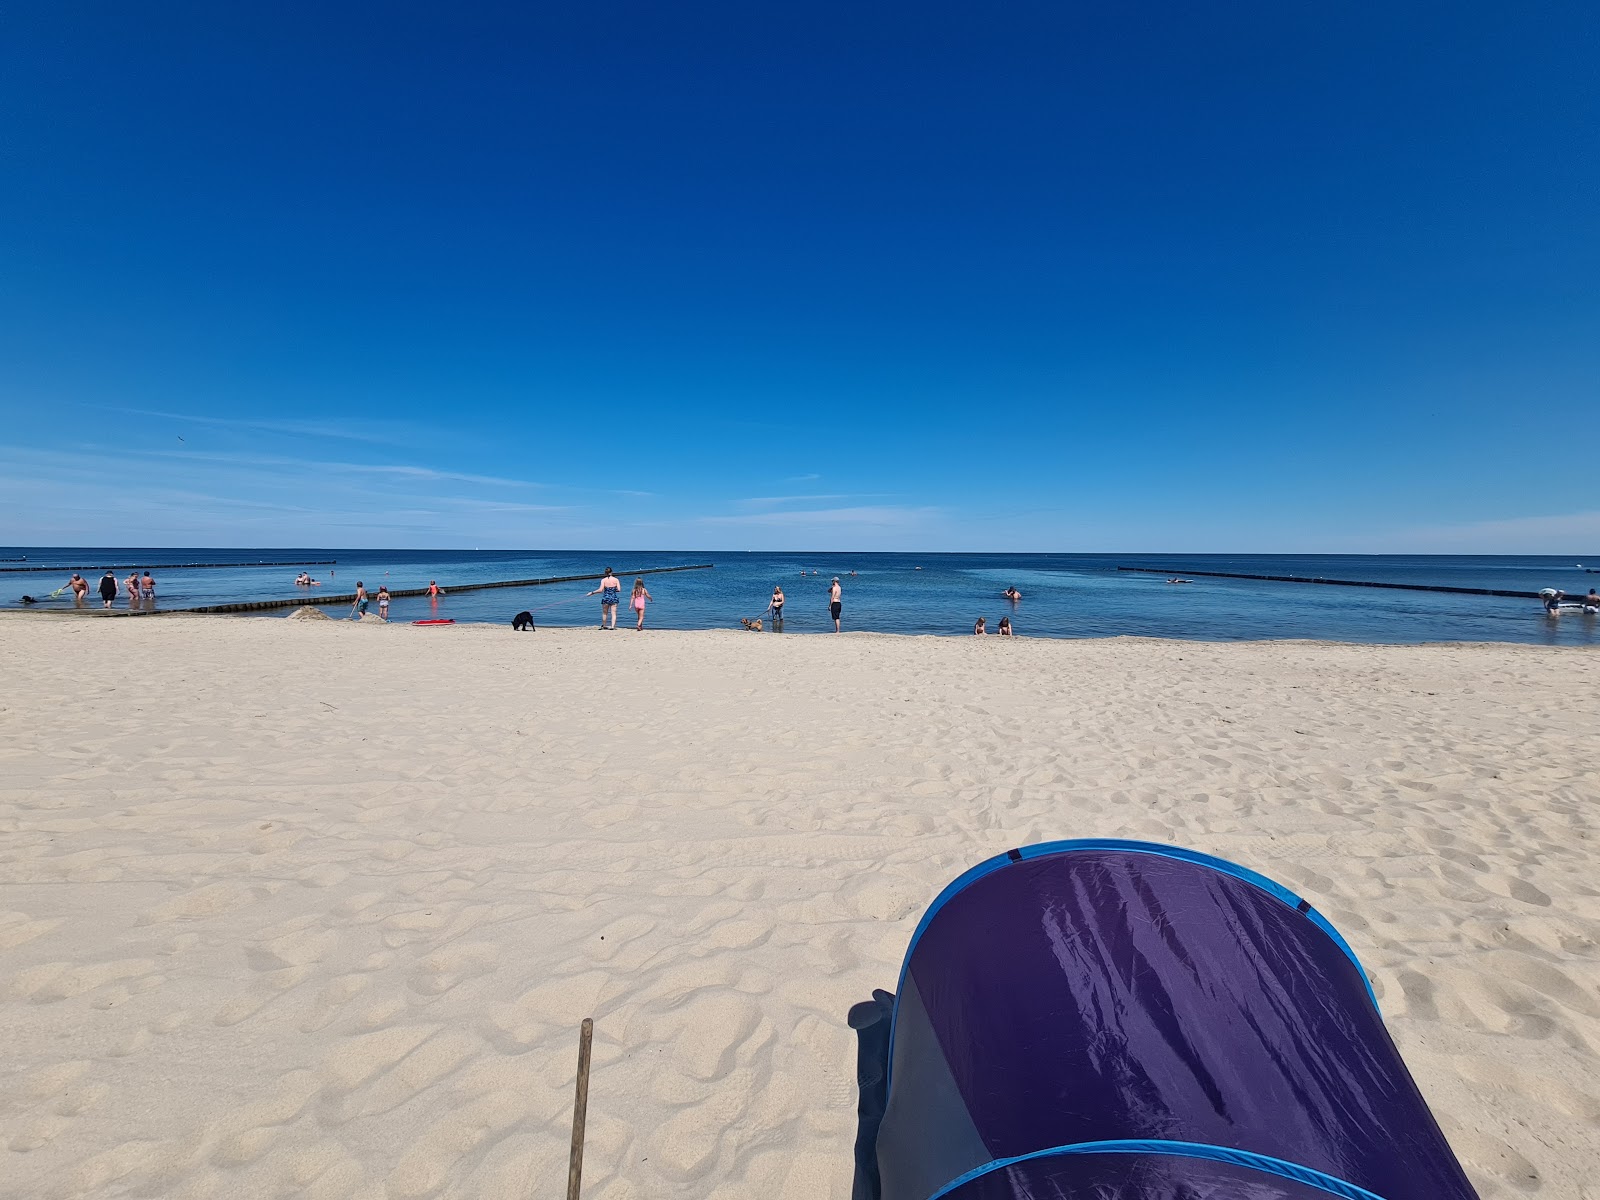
point(1264, 1163)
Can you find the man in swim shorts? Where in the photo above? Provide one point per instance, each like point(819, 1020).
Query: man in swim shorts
point(610, 591)
point(80, 589)
point(835, 602)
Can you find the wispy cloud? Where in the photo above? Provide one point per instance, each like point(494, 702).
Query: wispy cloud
point(395, 470)
point(1556, 533)
point(774, 501)
point(84, 495)
point(811, 478)
point(865, 516)
point(374, 432)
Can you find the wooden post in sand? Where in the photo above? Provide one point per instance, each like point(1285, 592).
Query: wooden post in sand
point(580, 1111)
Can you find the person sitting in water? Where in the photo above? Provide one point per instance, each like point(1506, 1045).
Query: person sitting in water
point(979, 629)
point(1005, 627)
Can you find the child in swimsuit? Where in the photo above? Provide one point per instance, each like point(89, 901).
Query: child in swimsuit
point(383, 601)
point(640, 597)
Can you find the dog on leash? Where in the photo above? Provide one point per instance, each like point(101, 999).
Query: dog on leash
point(523, 620)
point(752, 626)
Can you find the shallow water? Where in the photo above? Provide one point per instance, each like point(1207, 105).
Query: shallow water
point(1064, 595)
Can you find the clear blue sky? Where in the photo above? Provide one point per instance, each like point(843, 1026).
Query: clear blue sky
point(1054, 276)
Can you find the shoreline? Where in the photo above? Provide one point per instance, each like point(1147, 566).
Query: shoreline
point(622, 626)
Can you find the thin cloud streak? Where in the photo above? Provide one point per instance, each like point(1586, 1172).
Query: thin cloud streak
point(379, 433)
point(99, 458)
point(770, 501)
point(882, 516)
point(1556, 533)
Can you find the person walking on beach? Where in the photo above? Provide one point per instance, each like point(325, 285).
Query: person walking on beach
point(108, 588)
point(383, 601)
point(610, 591)
point(80, 589)
point(777, 606)
point(641, 597)
point(835, 602)
point(147, 590)
point(359, 608)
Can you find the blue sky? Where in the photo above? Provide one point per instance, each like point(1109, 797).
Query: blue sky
point(1054, 276)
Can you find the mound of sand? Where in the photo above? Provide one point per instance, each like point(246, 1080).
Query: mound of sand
point(307, 613)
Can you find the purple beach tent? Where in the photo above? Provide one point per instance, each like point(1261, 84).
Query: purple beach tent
point(1109, 1020)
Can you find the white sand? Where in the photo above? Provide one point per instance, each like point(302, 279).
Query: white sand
point(315, 909)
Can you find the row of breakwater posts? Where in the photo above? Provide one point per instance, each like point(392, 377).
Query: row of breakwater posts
point(350, 597)
point(1400, 587)
point(314, 562)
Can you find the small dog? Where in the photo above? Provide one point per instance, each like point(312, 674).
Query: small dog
point(523, 620)
point(752, 626)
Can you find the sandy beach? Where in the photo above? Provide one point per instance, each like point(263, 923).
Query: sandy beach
point(316, 908)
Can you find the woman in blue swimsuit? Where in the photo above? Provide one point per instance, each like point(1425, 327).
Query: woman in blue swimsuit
point(610, 591)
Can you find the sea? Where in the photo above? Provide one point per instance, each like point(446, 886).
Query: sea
point(1063, 595)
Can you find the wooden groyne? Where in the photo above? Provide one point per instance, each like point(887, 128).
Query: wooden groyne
point(1401, 587)
point(350, 597)
point(319, 562)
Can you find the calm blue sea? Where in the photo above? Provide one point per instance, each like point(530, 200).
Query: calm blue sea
point(1064, 595)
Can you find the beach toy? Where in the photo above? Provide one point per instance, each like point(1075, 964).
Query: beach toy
point(436, 621)
point(1129, 1021)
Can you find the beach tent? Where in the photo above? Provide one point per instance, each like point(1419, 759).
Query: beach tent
point(1109, 1020)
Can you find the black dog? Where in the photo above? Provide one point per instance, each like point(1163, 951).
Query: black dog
point(523, 620)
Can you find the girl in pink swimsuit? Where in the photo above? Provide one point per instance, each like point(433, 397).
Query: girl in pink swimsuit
point(640, 598)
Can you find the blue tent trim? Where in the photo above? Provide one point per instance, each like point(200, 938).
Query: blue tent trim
point(1241, 1158)
point(1044, 849)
